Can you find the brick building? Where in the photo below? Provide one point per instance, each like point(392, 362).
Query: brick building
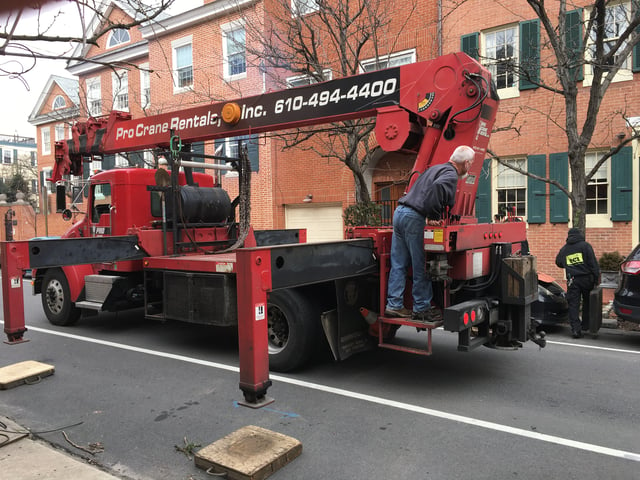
point(201, 56)
point(497, 34)
point(18, 156)
point(53, 114)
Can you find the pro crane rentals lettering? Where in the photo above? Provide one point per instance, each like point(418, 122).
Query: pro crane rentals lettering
point(345, 98)
point(176, 123)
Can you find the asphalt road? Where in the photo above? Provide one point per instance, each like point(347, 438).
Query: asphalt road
point(569, 411)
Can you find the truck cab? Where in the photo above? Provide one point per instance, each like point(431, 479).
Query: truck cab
point(120, 202)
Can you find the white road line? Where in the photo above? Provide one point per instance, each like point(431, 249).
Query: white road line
point(593, 347)
point(612, 452)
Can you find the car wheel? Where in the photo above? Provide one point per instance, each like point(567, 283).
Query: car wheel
point(56, 299)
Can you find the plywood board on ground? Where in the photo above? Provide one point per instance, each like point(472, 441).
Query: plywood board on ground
point(23, 372)
point(250, 453)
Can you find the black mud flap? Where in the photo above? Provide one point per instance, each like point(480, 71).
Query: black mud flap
point(595, 310)
point(346, 336)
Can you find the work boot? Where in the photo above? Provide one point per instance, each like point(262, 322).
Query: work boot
point(577, 335)
point(401, 313)
point(433, 314)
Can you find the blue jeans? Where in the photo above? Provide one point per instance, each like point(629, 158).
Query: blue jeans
point(407, 250)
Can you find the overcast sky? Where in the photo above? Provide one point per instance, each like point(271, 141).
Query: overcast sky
point(18, 98)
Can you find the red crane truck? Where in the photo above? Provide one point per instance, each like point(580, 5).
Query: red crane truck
point(171, 242)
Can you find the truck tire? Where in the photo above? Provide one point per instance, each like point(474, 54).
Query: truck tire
point(56, 299)
point(293, 328)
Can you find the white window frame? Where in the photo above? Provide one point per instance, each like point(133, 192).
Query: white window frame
point(181, 42)
point(301, 80)
point(120, 90)
point(505, 92)
point(300, 8)
point(112, 41)
point(395, 59)
point(599, 219)
point(509, 179)
point(58, 132)
point(95, 166)
point(625, 73)
point(148, 159)
point(47, 172)
point(46, 140)
point(58, 102)
point(145, 86)
point(226, 29)
point(7, 154)
point(94, 96)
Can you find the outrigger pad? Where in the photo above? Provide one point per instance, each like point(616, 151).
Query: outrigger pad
point(29, 371)
point(250, 453)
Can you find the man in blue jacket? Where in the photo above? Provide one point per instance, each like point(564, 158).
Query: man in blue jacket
point(582, 271)
point(432, 193)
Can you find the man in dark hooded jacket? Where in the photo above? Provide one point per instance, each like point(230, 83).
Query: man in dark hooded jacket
point(582, 271)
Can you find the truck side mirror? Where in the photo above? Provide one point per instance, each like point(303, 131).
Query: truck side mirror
point(61, 199)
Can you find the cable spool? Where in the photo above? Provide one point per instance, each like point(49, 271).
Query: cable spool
point(205, 205)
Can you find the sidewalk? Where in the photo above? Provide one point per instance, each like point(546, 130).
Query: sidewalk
point(24, 458)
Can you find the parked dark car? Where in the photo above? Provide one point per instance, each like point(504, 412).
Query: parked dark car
point(626, 299)
point(551, 308)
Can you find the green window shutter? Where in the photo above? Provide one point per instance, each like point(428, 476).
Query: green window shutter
point(15, 155)
point(198, 147)
point(635, 67)
point(558, 201)
point(470, 43)
point(86, 171)
point(216, 145)
point(537, 189)
point(621, 186)
point(251, 143)
point(529, 54)
point(483, 194)
point(136, 159)
point(108, 162)
point(573, 38)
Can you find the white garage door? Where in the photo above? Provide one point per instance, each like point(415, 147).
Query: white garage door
point(323, 222)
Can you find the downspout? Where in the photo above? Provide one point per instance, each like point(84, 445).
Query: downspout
point(439, 28)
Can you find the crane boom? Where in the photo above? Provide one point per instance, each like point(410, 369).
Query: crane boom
point(428, 108)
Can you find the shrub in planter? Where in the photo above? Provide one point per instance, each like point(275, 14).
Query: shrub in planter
point(610, 261)
point(362, 214)
point(610, 267)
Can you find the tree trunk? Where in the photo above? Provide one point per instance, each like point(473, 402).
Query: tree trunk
point(362, 190)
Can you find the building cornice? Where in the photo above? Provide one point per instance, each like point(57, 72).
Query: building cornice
point(121, 55)
point(193, 17)
point(55, 117)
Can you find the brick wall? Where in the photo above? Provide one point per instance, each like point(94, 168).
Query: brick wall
point(540, 117)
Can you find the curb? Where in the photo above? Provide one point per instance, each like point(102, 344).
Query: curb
point(26, 458)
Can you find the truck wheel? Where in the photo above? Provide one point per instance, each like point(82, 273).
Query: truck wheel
point(293, 325)
point(56, 299)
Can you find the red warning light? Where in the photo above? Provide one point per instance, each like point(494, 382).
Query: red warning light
point(465, 318)
point(473, 316)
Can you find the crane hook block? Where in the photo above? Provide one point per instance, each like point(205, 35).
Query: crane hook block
point(231, 113)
